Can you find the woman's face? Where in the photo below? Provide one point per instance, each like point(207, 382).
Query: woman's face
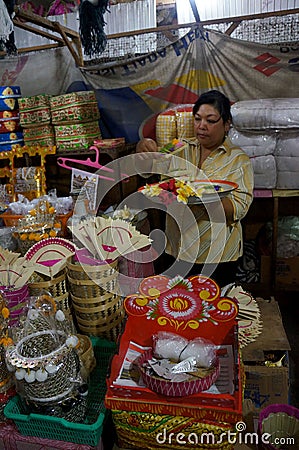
point(209, 127)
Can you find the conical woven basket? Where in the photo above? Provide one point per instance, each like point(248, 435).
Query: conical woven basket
point(97, 305)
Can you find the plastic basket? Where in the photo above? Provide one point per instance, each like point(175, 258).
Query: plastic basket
point(54, 428)
point(12, 220)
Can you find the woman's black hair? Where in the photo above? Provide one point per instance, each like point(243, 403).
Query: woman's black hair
point(218, 100)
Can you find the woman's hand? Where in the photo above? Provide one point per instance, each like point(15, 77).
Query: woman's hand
point(146, 145)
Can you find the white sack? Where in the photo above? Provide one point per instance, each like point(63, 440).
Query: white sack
point(254, 143)
point(264, 114)
point(264, 169)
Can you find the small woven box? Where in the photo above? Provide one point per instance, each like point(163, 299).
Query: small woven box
point(76, 107)
point(76, 135)
point(42, 135)
point(35, 110)
point(165, 128)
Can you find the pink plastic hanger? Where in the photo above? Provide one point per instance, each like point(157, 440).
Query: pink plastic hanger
point(63, 162)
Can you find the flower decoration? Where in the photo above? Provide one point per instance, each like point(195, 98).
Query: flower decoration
point(175, 144)
point(179, 189)
point(181, 303)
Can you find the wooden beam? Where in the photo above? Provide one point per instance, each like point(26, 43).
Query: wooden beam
point(205, 23)
point(194, 10)
point(43, 22)
point(232, 27)
point(69, 45)
point(35, 48)
point(26, 27)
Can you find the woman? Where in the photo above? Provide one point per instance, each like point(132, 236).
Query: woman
point(219, 229)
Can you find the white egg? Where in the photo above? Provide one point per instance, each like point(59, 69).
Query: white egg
point(41, 375)
point(72, 341)
point(30, 376)
point(60, 316)
point(51, 368)
point(20, 374)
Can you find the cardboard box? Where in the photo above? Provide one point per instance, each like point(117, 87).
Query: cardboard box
point(286, 271)
point(266, 385)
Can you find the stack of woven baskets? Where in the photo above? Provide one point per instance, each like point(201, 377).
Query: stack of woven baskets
point(94, 292)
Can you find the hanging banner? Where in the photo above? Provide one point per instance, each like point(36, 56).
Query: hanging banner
point(42, 72)
point(131, 94)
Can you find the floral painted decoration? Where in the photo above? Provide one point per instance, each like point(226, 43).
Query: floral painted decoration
point(181, 303)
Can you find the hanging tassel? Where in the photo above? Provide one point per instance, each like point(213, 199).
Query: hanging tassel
point(91, 26)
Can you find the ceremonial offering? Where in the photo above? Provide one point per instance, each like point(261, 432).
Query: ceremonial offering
point(46, 364)
point(89, 430)
point(175, 144)
point(38, 224)
point(186, 314)
point(192, 192)
point(170, 378)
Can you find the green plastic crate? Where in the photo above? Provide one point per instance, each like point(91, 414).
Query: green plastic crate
point(56, 428)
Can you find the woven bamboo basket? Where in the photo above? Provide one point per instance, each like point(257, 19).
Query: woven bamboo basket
point(86, 354)
point(6, 378)
point(47, 347)
point(56, 286)
point(97, 305)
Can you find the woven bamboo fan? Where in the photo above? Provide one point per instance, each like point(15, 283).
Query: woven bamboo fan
point(97, 305)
